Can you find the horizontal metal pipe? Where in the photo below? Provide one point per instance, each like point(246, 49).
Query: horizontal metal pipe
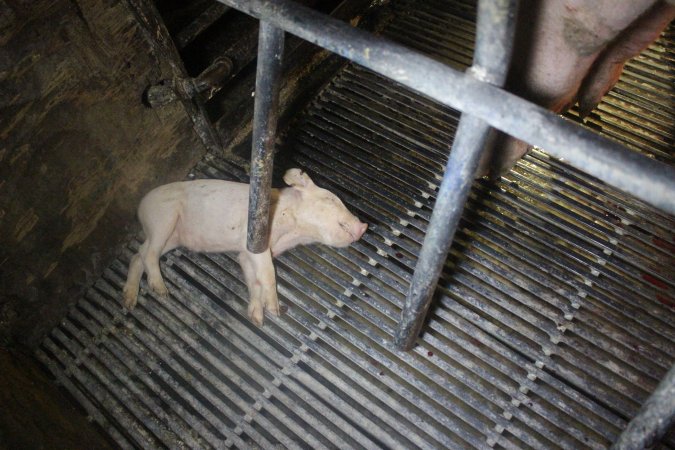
point(265, 115)
point(494, 43)
point(609, 161)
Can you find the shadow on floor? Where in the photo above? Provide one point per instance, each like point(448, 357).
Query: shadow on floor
point(36, 414)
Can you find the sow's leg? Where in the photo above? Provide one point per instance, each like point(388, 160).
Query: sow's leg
point(561, 44)
point(608, 67)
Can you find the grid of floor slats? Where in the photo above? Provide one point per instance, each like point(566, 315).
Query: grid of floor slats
point(552, 322)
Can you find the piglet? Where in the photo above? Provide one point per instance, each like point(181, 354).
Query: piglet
point(211, 216)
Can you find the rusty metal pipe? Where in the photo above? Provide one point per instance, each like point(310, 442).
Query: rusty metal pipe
point(265, 115)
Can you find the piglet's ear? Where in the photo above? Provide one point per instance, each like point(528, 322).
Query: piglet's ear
point(297, 178)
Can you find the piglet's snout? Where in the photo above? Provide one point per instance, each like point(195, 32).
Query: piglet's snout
point(358, 228)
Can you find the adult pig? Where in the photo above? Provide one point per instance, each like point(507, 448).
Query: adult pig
point(569, 51)
point(211, 216)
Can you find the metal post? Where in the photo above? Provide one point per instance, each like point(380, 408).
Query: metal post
point(653, 420)
point(494, 43)
point(647, 179)
point(265, 114)
point(495, 31)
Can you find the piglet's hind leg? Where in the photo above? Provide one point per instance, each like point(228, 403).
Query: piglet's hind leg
point(160, 240)
point(133, 279)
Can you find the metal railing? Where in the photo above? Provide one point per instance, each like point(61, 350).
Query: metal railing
point(478, 95)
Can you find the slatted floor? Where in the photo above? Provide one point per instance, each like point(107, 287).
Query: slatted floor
point(552, 323)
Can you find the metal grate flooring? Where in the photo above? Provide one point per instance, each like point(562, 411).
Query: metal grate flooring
point(552, 323)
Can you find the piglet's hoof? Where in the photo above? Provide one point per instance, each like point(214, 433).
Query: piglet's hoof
point(273, 308)
point(278, 310)
point(129, 301)
point(256, 313)
point(160, 290)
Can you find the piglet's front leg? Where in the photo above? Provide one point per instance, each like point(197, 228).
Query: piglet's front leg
point(262, 286)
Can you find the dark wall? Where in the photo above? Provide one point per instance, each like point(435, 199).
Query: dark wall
point(36, 414)
point(78, 149)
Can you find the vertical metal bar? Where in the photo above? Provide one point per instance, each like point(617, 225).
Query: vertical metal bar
point(653, 420)
point(265, 114)
point(495, 30)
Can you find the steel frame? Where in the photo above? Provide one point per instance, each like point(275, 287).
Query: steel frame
point(484, 104)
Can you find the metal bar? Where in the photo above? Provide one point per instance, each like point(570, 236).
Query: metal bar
point(653, 420)
point(265, 115)
point(471, 138)
point(609, 161)
point(495, 29)
point(201, 23)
